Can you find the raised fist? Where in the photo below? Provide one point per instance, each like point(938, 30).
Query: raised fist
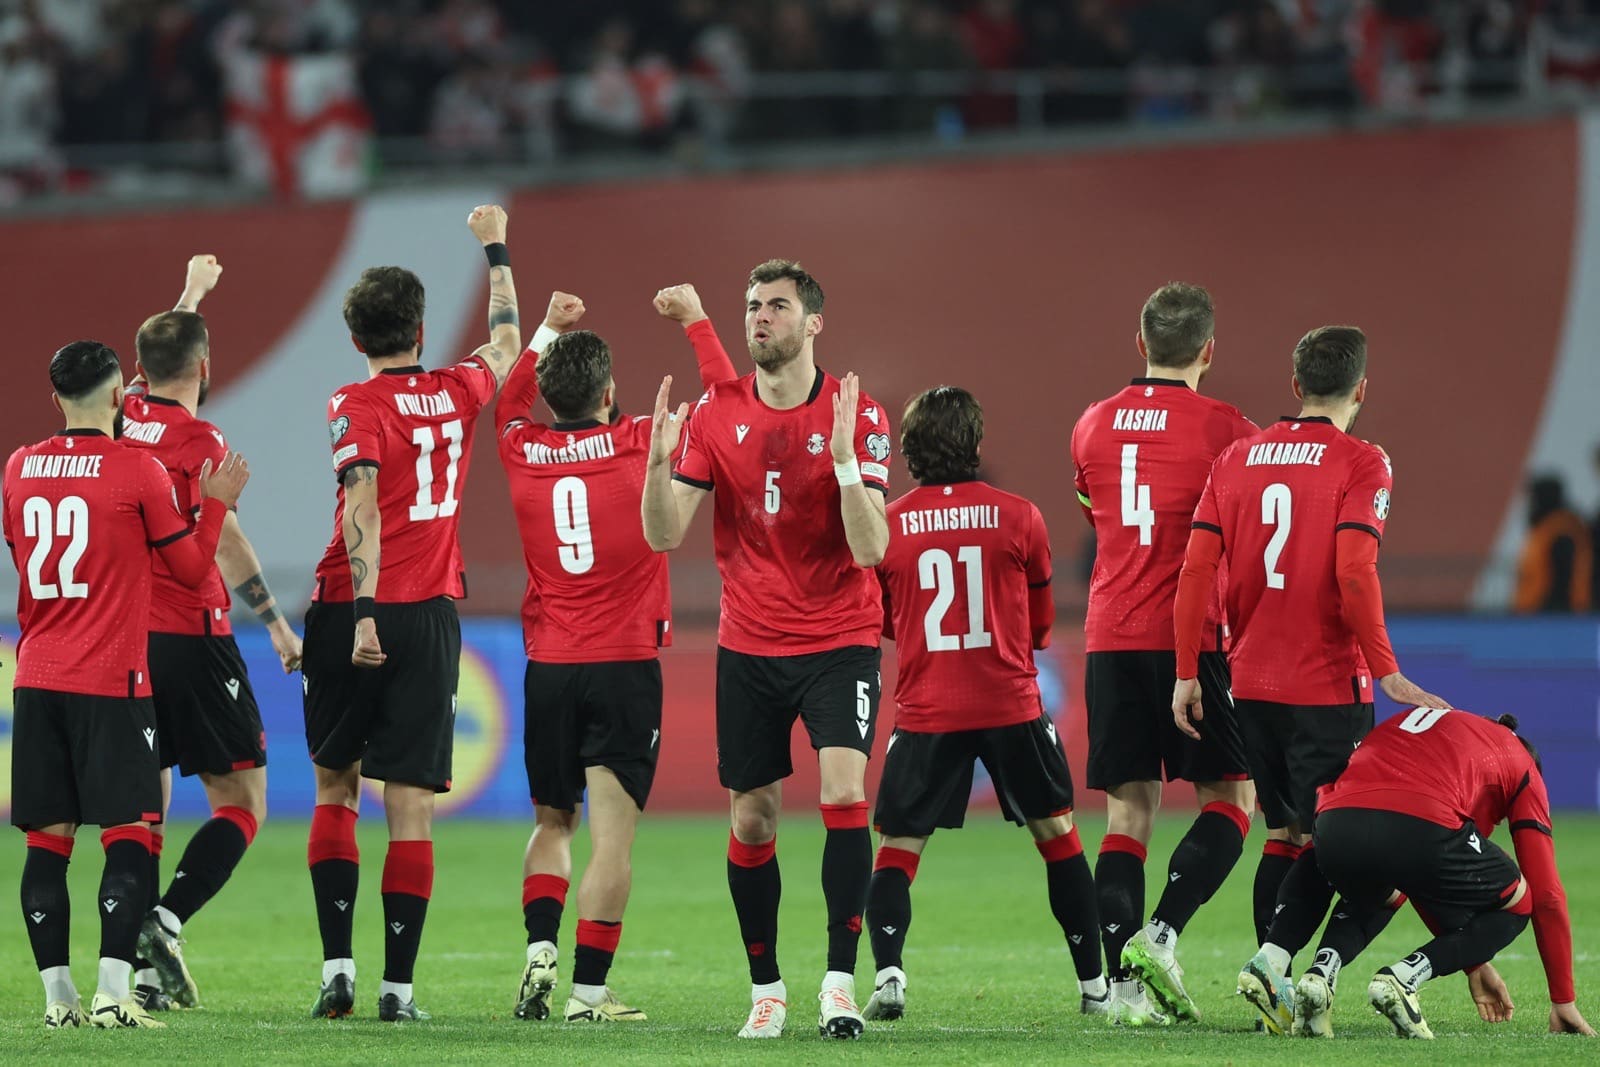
point(565, 311)
point(204, 270)
point(488, 223)
point(679, 303)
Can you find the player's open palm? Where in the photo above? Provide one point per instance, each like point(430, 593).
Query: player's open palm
point(1402, 690)
point(666, 425)
point(227, 481)
point(1565, 1019)
point(845, 403)
point(564, 312)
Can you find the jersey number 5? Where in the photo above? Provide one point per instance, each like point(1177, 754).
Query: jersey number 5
point(71, 519)
point(936, 571)
point(424, 507)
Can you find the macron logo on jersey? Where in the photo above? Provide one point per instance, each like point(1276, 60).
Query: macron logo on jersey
point(338, 398)
point(740, 431)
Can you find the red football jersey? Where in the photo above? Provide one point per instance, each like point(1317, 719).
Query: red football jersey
point(1278, 500)
point(961, 560)
point(82, 513)
point(182, 443)
point(596, 590)
point(1140, 459)
point(789, 583)
point(1451, 767)
point(1448, 767)
point(417, 425)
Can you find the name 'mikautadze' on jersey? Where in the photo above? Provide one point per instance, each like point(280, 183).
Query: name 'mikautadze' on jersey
point(789, 582)
point(957, 576)
point(417, 426)
point(1278, 500)
point(82, 513)
point(182, 443)
point(1141, 458)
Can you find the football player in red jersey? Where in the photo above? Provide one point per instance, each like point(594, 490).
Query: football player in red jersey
point(1412, 815)
point(597, 610)
point(1141, 458)
point(84, 517)
point(206, 712)
point(966, 590)
point(401, 443)
point(799, 460)
point(1297, 511)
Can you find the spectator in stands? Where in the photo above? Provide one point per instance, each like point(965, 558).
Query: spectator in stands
point(927, 40)
point(28, 112)
point(1555, 572)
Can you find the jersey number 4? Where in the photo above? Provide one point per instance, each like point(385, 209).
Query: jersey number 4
point(936, 571)
point(71, 520)
point(425, 508)
point(1136, 509)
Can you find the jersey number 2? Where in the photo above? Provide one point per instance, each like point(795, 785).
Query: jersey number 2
point(71, 519)
point(1275, 503)
point(570, 504)
point(424, 508)
point(936, 571)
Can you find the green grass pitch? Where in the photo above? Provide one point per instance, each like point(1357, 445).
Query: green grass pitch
point(990, 979)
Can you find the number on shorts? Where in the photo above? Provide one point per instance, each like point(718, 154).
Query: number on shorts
point(70, 519)
point(1275, 502)
point(570, 503)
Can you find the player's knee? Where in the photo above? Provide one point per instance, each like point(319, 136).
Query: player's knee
point(1241, 795)
point(754, 826)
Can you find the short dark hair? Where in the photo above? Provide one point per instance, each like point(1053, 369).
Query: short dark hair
point(573, 373)
point(1510, 723)
point(1176, 323)
point(384, 310)
point(940, 433)
point(775, 270)
point(78, 369)
point(170, 344)
point(1330, 361)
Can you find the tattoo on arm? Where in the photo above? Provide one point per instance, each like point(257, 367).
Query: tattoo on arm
point(254, 591)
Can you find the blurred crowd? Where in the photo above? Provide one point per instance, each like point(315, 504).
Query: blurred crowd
point(477, 79)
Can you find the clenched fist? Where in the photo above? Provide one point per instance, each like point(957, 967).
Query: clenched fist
point(204, 270)
point(565, 311)
point(679, 303)
point(488, 223)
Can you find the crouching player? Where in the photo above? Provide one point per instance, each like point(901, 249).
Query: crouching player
point(966, 592)
point(1411, 815)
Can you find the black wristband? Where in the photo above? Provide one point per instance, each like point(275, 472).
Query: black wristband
point(366, 607)
point(497, 254)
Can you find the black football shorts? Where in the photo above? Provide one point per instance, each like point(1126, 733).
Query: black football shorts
point(397, 720)
point(582, 715)
point(1451, 874)
point(927, 778)
point(206, 714)
point(1295, 749)
point(86, 760)
point(1132, 737)
point(833, 693)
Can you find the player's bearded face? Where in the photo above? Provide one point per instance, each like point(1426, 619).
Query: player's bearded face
point(771, 347)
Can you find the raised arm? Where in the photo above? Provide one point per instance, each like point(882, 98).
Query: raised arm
point(488, 225)
point(200, 279)
point(521, 387)
point(363, 532)
point(236, 559)
point(681, 304)
point(866, 522)
point(667, 506)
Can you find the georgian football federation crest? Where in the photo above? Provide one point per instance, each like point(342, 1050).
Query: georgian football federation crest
point(878, 446)
point(337, 428)
point(1380, 504)
point(816, 444)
